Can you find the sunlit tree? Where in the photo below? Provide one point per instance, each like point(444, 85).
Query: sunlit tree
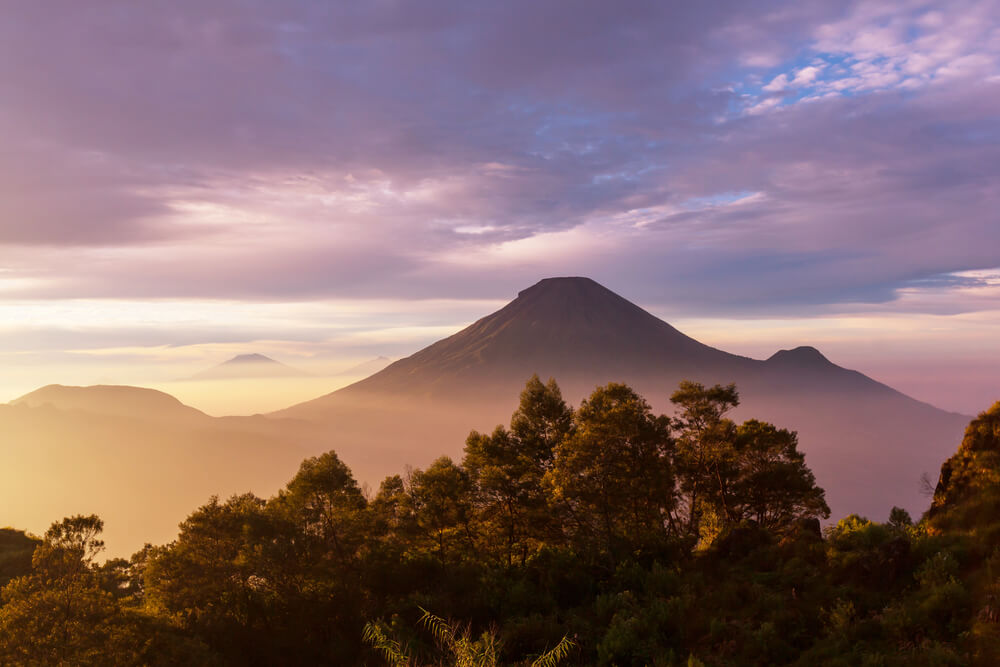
point(613, 476)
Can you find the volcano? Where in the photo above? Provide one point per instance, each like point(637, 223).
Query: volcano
point(248, 366)
point(868, 444)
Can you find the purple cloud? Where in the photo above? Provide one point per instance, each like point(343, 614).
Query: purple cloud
point(716, 155)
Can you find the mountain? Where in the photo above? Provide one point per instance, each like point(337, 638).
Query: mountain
point(138, 458)
point(868, 444)
point(112, 400)
point(248, 366)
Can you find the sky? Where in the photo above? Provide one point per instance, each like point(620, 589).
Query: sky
point(326, 182)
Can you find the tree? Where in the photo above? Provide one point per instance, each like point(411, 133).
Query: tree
point(705, 455)
point(541, 421)
point(506, 470)
point(227, 577)
point(441, 501)
point(16, 549)
point(63, 612)
point(392, 512)
point(327, 506)
point(773, 486)
point(613, 476)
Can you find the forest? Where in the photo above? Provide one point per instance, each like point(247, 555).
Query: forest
point(601, 535)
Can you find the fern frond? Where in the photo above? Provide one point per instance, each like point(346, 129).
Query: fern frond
point(442, 631)
point(556, 655)
point(389, 648)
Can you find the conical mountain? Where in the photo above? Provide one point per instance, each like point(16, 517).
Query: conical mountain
point(573, 329)
point(560, 326)
point(867, 443)
point(248, 366)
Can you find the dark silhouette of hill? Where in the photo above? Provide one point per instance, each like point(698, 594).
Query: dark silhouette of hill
point(868, 443)
point(248, 366)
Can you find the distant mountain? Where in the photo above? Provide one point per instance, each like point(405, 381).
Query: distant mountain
point(112, 400)
point(248, 366)
point(867, 443)
point(139, 458)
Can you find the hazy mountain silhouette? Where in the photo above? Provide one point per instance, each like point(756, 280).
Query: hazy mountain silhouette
point(113, 400)
point(139, 458)
point(248, 366)
point(868, 443)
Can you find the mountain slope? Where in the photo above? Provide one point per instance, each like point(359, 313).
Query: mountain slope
point(366, 368)
point(868, 443)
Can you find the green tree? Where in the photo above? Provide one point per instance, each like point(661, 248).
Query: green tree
point(506, 469)
point(228, 577)
point(392, 512)
point(706, 459)
point(773, 485)
point(441, 497)
point(63, 612)
point(613, 477)
point(541, 421)
point(325, 503)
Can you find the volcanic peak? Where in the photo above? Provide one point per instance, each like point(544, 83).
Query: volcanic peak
point(250, 359)
point(803, 356)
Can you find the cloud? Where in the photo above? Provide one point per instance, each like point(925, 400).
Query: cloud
point(805, 76)
point(778, 83)
point(301, 150)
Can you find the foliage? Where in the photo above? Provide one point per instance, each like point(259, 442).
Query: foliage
point(612, 478)
point(68, 610)
point(16, 549)
point(458, 645)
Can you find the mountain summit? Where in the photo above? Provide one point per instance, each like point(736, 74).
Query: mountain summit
point(573, 329)
point(248, 366)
